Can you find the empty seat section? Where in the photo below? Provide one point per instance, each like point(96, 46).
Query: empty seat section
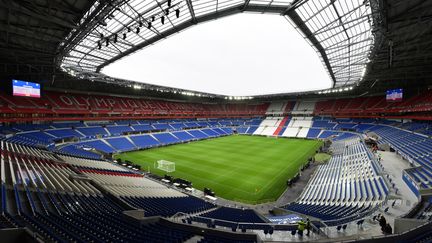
point(121, 144)
point(118, 130)
point(168, 206)
point(143, 128)
point(158, 126)
point(234, 215)
point(327, 134)
point(98, 145)
point(64, 133)
point(313, 133)
point(183, 136)
point(92, 131)
point(210, 132)
point(198, 134)
point(144, 141)
point(166, 138)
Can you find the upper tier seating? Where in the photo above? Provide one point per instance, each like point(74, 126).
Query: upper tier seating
point(304, 107)
point(279, 108)
point(370, 105)
point(86, 105)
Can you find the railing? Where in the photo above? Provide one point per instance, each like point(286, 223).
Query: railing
point(181, 217)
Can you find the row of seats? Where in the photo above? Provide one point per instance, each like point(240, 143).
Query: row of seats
point(28, 167)
point(373, 104)
point(168, 206)
point(347, 185)
point(62, 129)
point(39, 192)
point(68, 103)
point(135, 142)
point(46, 138)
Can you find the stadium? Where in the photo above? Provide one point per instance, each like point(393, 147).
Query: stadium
point(91, 157)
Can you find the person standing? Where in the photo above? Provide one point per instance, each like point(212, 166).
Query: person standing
point(382, 222)
point(308, 226)
point(301, 227)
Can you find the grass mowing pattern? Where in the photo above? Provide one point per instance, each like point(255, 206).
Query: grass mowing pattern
point(249, 169)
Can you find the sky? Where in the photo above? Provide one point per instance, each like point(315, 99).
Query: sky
point(239, 55)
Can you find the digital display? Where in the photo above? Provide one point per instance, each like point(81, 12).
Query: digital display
point(394, 95)
point(26, 89)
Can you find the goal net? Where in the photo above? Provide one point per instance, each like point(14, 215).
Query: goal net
point(165, 165)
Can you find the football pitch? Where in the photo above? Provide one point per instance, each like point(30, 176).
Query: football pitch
point(249, 169)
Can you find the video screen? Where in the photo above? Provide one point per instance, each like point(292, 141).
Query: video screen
point(26, 89)
point(394, 95)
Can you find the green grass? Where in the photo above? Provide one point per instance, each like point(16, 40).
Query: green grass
point(322, 157)
point(248, 169)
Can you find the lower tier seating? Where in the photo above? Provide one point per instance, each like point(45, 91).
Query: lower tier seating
point(168, 206)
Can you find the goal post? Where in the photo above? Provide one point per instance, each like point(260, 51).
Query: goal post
point(166, 165)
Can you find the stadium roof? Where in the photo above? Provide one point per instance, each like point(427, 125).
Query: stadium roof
point(392, 37)
point(340, 31)
point(31, 33)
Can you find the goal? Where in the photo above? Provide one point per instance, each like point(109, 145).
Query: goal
point(166, 166)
